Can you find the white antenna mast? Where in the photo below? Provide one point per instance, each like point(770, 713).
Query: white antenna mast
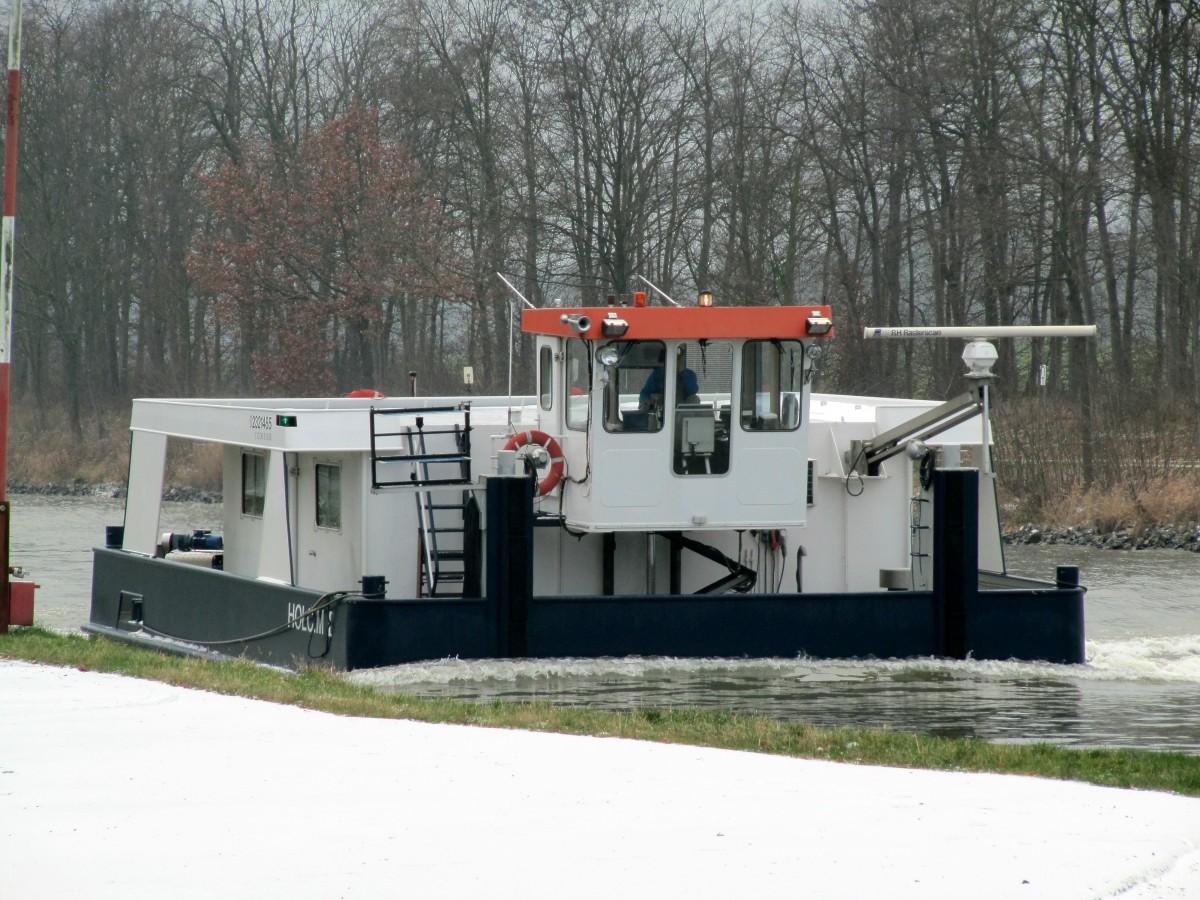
point(512, 288)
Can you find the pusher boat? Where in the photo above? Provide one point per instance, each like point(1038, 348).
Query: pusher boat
point(673, 488)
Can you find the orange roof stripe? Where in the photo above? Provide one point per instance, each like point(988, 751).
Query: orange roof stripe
point(680, 323)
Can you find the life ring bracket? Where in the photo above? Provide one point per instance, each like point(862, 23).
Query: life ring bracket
point(558, 463)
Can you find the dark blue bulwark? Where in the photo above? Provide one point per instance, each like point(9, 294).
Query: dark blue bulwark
point(897, 624)
point(205, 607)
point(1045, 625)
point(1019, 624)
point(237, 616)
point(374, 633)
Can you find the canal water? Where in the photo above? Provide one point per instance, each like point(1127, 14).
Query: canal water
point(1140, 687)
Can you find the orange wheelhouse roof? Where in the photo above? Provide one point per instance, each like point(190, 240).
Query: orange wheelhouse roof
point(682, 323)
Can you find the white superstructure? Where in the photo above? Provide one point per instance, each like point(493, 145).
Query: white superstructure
point(289, 462)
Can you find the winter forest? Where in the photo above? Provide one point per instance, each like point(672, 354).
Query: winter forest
point(239, 197)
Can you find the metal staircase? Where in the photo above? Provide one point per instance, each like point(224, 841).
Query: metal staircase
point(406, 455)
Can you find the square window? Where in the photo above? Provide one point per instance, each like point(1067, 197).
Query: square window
point(633, 396)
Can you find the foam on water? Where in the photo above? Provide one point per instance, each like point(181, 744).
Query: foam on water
point(1164, 659)
point(1150, 659)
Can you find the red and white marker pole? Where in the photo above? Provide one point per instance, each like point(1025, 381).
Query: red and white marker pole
point(7, 252)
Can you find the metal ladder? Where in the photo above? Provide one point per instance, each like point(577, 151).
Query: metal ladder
point(440, 565)
point(919, 537)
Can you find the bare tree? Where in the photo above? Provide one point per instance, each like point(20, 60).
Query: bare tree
point(307, 258)
point(618, 118)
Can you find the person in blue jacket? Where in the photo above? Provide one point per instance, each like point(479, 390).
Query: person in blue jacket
point(687, 385)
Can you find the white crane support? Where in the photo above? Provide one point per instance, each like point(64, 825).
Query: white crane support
point(980, 332)
point(919, 429)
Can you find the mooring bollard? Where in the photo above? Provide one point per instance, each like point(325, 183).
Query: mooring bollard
point(1066, 576)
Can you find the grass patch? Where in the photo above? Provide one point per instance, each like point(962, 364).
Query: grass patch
point(320, 689)
point(1169, 499)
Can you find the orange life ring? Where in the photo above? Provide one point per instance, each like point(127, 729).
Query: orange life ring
point(369, 393)
point(550, 445)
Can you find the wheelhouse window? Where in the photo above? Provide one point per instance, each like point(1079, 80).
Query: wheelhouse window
point(578, 374)
point(633, 394)
point(772, 385)
point(703, 372)
point(329, 495)
point(254, 484)
point(546, 377)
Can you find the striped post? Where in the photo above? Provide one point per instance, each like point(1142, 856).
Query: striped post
point(7, 252)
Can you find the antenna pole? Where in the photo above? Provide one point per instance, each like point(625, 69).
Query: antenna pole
point(658, 290)
point(512, 288)
point(511, 338)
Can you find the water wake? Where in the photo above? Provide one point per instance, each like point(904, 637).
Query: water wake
point(1147, 659)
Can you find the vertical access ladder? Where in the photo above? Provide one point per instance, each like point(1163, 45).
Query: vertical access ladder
point(442, 525)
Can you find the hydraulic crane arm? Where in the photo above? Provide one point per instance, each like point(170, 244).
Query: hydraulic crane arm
point(953, 412)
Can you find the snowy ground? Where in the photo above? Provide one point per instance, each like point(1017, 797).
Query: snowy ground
point(113, 787)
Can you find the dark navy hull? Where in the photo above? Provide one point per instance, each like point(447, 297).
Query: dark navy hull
point(216, 610)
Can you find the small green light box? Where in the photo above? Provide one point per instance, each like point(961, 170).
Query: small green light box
point(285, 421)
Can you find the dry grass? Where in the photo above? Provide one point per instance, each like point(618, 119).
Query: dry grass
point(1173, 498)
point(194, 464)
point(1134, 465)
point(42, 450)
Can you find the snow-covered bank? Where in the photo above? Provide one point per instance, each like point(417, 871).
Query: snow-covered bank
point(113, 787)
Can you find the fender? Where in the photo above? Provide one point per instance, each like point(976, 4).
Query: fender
point(550, 445)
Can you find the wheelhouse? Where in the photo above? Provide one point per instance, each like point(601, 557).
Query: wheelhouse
point(679, 418)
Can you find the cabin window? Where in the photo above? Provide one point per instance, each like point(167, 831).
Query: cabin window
point(329, 495)
point(546, 377)
point(579, 383)
point(772, 385)
point(254, 484)
point(703, 372)
point(633, 394)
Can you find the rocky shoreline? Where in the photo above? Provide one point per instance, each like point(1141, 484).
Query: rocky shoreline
point(172, 493)
point(1151, 537)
